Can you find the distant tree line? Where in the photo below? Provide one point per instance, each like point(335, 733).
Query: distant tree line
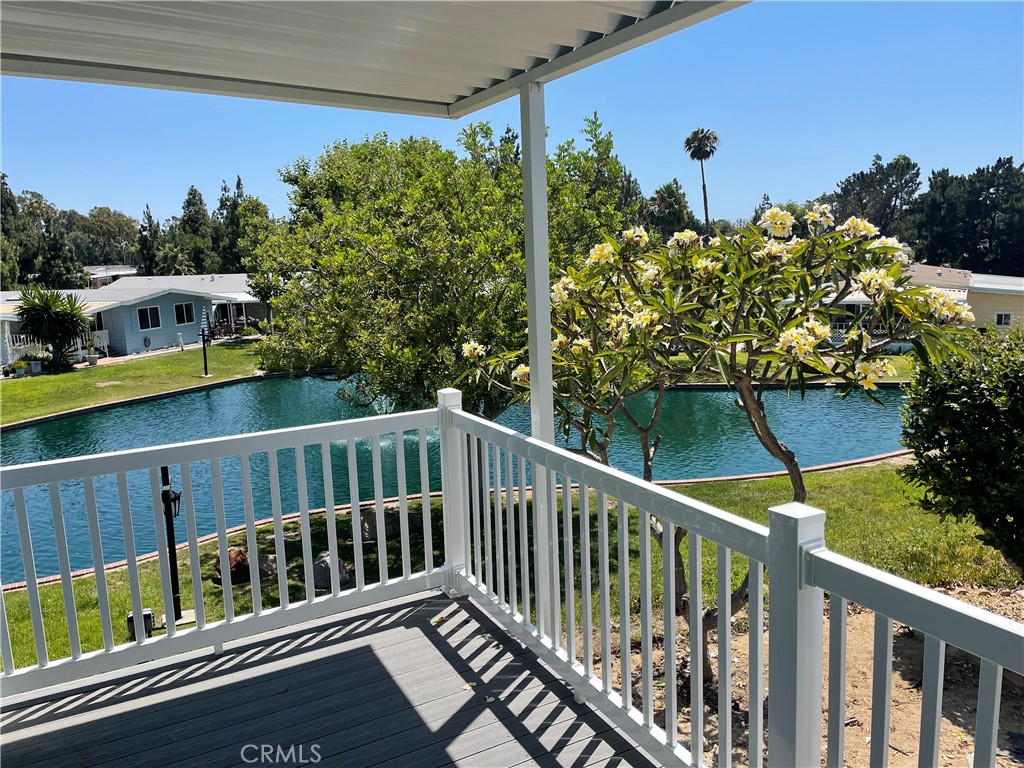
point(42, 245)
point(973, 221)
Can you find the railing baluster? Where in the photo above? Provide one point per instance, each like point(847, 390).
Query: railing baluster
point(586, 583)
point(378, 500)
point(155, 487)
point(524, 545)
point(332, 520)
point(724, 657)
point(403, 504)
point(696, 649)
point(250, 534)
point(6, 651)
point(931, 704)
point(669, 554)
point(222, 539)
point(987, 724)
point(307, 537)
point(625, 638)
point(570, 576)
point(355, 513)
point(475, 501)
point(499, 540)
point(193, 548)
point(485, 508)
point(428, 542)
point(64, 561)
point(646, 641)
point(31, 585)
point(554, 585)
point(604, 591)
point(836, 681)
point(468, 491)
point(102, 599)
point(279, 550)
point(129, 552)
point(755, 614)
point(513, 591)
point(881, 692)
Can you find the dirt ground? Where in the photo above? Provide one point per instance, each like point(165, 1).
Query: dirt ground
point(959, 699)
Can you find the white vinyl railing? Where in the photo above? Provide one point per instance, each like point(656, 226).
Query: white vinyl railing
point(100, 341)
point(558, 549)
point(204, 459)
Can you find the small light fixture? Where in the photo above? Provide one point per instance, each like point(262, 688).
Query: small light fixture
point(173, 499)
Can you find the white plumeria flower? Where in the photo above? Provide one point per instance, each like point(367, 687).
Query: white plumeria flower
point(602, 253)
point(819, 217)
point(636, 235)
point(563, 290)
point(521, 373)
point(857, 227)
point(777, 222)
point(876, 282)
point(683, 239)
point(473, 350)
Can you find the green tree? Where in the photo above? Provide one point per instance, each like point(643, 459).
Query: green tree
point(395, 252)
point(193, 237)
point(56, 319)
point(885, 194)
point(974, 222)
point(964, 420)
point(58, 266)
point(148, 243)
point(227, 227)
point(668, 212)
point(13, 231)
point(701, 145)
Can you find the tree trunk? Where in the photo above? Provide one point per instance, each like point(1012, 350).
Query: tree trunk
point(754, 408)
point(704, 189)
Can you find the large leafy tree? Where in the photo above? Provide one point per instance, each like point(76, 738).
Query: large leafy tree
point(148, 243)
point(884, 194)
point(701, 145)
point(667, 211)
point(394, 254)
point(56, 319)
point(964, 420)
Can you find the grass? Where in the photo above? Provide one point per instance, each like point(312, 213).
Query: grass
point(873, 516)
point(35, 396)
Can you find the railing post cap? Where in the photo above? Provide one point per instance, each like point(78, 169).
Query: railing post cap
point(794, 510)
point(449, 397)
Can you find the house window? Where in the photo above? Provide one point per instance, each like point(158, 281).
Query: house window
point(98, 321)
point(185, 314)
point(149, 318)
point(1004, 319)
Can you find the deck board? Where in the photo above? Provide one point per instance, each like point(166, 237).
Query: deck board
point(384, 686)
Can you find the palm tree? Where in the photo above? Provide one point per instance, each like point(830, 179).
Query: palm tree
point(55, 318)
point(700, 146)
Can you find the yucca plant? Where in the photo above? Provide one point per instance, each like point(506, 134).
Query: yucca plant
point(55, 319)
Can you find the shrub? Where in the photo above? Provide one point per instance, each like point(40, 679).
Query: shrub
point(964, 420)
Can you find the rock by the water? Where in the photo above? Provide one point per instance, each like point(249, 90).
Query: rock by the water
point(268, 565)
point(392, 523)
point(238, 565)
point(322, 572)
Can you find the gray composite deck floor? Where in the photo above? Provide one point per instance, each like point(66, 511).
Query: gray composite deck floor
point(384, 686)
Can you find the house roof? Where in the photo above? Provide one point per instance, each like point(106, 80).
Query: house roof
point(220, 287)
point(109, 270)
point(997, 284)
point(939, 277)
point(444, 59)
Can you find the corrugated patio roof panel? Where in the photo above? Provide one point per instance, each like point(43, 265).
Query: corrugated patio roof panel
point(432, 58)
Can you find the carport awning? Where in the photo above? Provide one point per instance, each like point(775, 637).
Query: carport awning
point(445, 59)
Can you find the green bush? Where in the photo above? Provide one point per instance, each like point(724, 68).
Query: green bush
point(964, 420)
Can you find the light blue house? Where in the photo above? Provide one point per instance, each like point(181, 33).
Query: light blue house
point(154, 321)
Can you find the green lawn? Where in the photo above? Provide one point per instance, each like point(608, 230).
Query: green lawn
point(873, 516)
point(35, 396)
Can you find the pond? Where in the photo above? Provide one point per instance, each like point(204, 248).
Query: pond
point(704, 435)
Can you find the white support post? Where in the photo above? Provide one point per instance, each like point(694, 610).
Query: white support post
point(452, 478)
point(538, 305)
point(795, 626)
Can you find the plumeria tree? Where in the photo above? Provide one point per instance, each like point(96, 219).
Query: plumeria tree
point(758, 308)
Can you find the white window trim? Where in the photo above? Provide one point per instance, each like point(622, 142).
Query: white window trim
point(185, 304)
point(995, 317)
point(152, 327)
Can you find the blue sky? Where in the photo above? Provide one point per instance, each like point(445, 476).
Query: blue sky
point(801, 94)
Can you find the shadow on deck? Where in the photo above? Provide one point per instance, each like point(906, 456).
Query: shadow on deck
point(425, 681)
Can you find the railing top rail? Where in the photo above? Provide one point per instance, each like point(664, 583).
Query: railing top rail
point(960, 624)
point(740, 535)
point(75, 468)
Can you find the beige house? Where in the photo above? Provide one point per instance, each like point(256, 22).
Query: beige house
point(997, 300)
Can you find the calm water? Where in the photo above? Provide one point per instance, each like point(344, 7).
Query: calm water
point(705, 435)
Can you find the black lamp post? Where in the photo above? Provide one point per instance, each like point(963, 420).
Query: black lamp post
point(171, 502)
point(203, 336)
